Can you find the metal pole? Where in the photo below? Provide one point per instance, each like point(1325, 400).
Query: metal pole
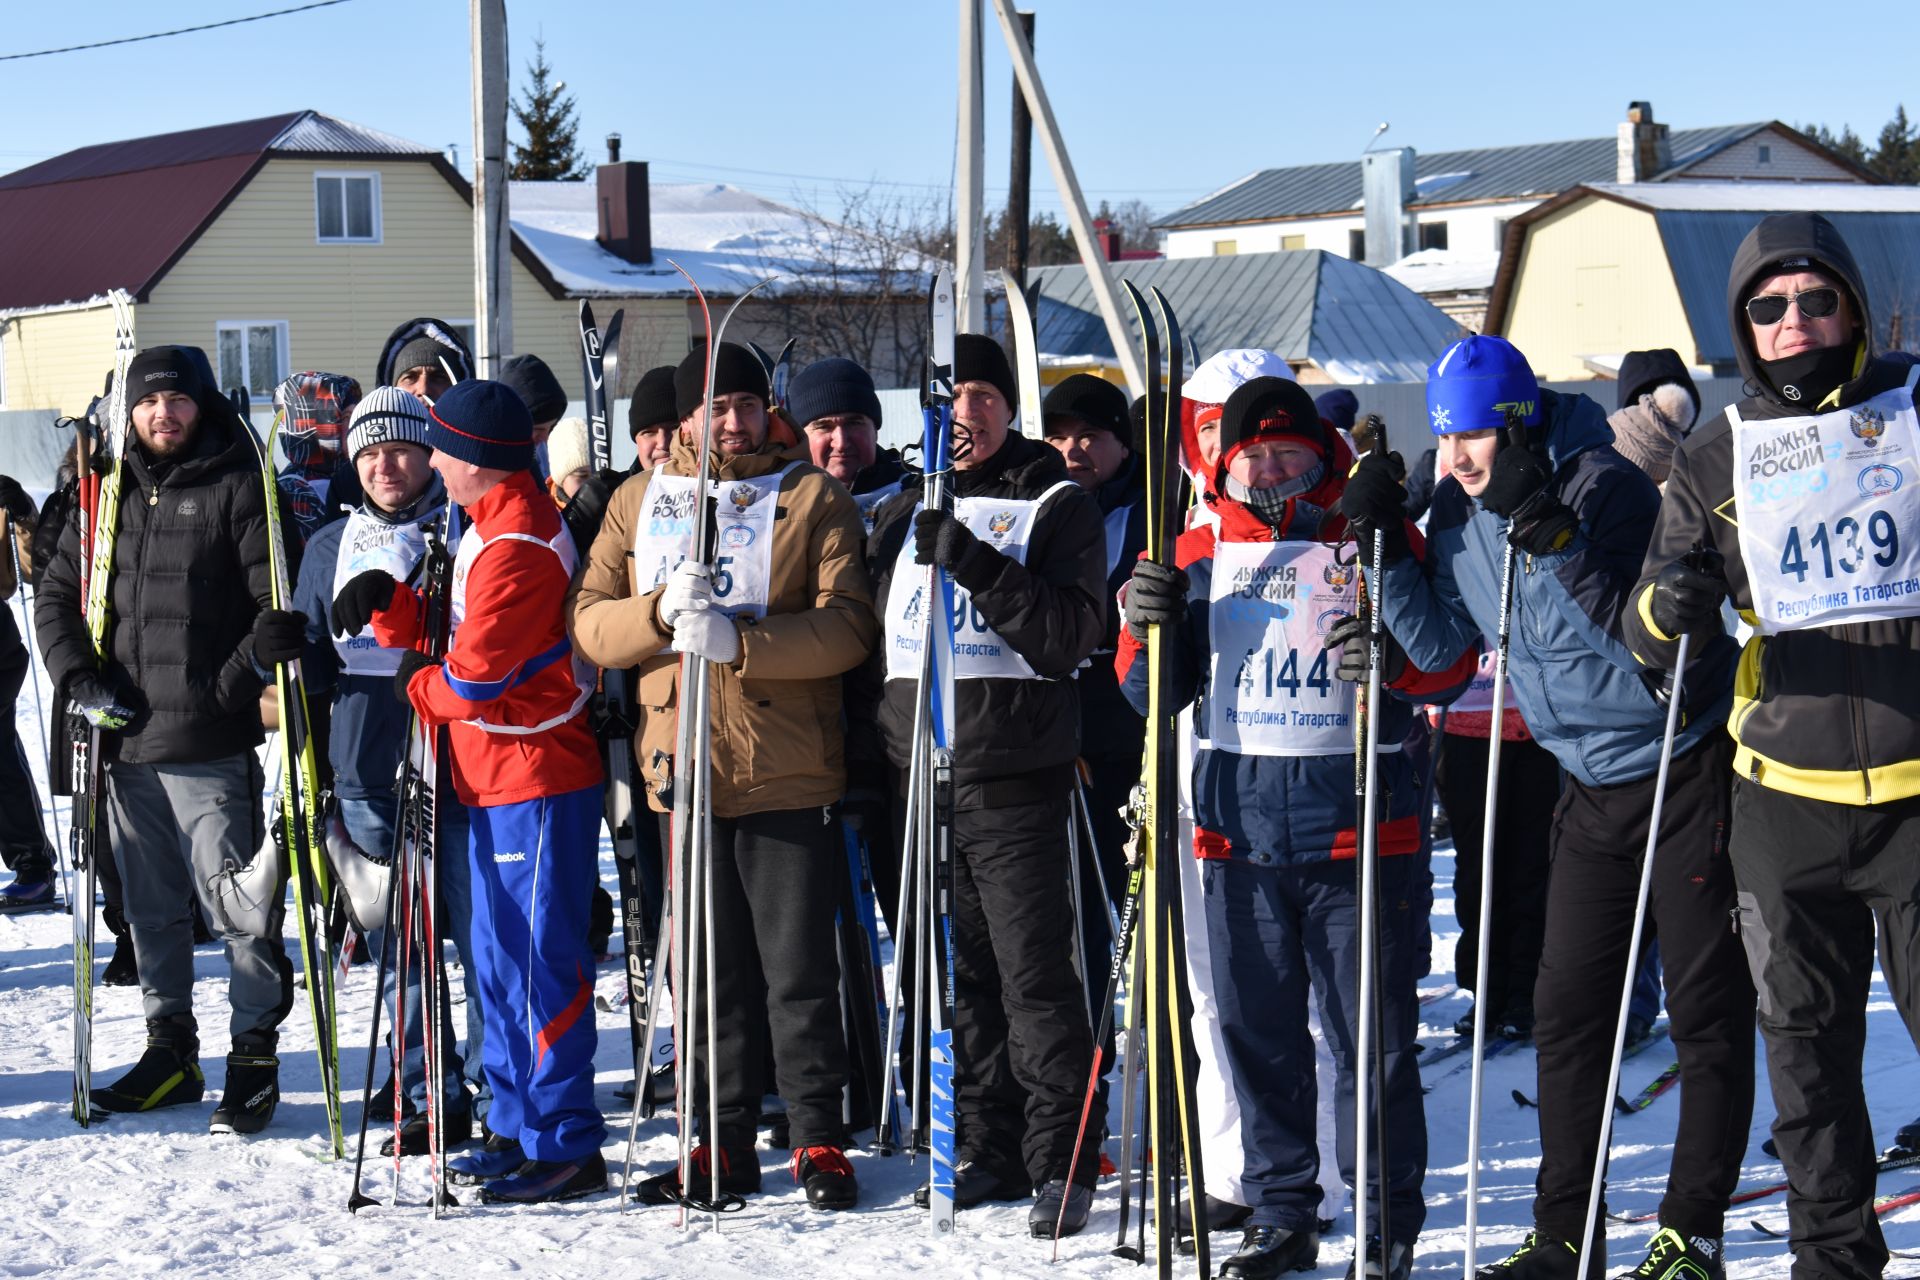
point(1020, 178)
point(969, 257)
point(492, 293)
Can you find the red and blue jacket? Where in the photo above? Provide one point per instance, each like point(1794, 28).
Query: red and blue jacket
point(1284, 810)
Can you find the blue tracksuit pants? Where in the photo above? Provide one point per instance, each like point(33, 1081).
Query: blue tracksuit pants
point(534, 868)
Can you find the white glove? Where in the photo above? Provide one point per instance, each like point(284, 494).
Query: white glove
point(708, 635)
point(689, 589)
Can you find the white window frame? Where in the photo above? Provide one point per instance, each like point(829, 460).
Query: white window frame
point(373, 175)
point(282, 361)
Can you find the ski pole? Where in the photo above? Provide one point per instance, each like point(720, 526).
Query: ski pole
point(892, 1051)
point(1084, 813)
point(1674, 699)
point(360, 1199)
point(1484, 943)
point(1075, 852)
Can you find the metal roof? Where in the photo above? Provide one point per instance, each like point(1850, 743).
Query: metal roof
point(120, 214)
point(1765, 197)
point(1304, 305)
point(1700, 247)
point(1442, 177)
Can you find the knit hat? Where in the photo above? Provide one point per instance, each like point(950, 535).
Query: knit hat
point(169, 368)
point(423, 352)
point(388, 414)
point(1223, 372)
point(567, 447)
point(482, 422)
point(534, 381)
point(1647, 431)
point(653, 404)
point(1269, 408)
point(735, 369)
point(319, 405)
point(830, 387)
point(978, 358)
point(1642, 371)
point(1338, 406)
point(1094, 401)
point(1476, 382)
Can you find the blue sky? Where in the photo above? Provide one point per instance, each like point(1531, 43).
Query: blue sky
point(1159, 101)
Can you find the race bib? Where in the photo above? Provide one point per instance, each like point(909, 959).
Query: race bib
point(1271, 690)
point(743, 537)
point(367, 543)
point(979, 652)
point(1478, 699)
point(1829, 513)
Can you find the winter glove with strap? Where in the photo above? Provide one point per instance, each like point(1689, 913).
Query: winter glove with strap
point(1520, 489)
point(1375, 499)
point(1348, 642)
point(1156, 596)
point(279, 635)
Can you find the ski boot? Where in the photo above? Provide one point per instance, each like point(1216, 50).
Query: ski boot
point(1544, 1257)
point(739, 1176)
point(168, 1073)
point(253, 1085)
point(827, 1177)
point(30, 891)
point(548, 1181)
point(1222, 1215)
point(976, 1182)
point(1672, 1256)
point(1059, 1205)
point(1397, 1265)
point(1268, 1251)
point(1908, 1139)
point(122, 970)
point(497, 1157)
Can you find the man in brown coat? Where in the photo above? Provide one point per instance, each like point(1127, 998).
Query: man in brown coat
point(784, 609)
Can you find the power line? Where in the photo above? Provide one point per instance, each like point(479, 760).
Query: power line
point(161, 35)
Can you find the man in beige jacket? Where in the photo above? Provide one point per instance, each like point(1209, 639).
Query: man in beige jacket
point(784, 609)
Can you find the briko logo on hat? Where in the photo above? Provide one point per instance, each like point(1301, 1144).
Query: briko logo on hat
point(161, 373)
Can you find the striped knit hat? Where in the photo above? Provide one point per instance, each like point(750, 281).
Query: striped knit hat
point(387, 414)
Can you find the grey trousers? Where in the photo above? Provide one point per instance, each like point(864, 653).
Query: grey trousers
point(173, 826)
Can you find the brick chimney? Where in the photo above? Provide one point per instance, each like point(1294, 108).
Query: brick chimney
point(1645, 151)
point(626, 221)
point(1109, 237)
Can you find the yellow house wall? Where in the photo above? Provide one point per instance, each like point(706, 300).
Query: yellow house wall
point(1594, 280)
point(57, 359)
point(260, 261)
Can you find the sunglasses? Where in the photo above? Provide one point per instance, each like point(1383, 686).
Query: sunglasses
point(1815, 304)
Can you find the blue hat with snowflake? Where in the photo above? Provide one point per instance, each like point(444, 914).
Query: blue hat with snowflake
point(1477, 382)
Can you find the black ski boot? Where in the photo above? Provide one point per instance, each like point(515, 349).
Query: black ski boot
point(414, 1132)
point(827, 1177)
point(1672, 1256)
point(253, 1085)
point(548, 1181)
point(1397, 1265)
point(978, 1181)
point(1058, 1205)
point(1266, 1252)
point(739, 1176)
point(168, 1073)
point(1544, 1257)
point(122, 970)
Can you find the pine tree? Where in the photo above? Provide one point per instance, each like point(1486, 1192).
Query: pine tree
point(1846, 142)
point(547, 116)
point(1896, 156)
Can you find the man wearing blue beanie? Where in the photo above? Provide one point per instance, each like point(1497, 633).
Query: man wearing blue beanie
point(1534, 474)
point(513, 695)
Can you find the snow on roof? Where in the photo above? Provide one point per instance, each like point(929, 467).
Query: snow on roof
point(726, 237)
point(1445, 270)
point(1764, 197)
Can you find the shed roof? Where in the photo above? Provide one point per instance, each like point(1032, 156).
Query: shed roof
point(1443, 177)
point(120, 214)
point(1305, 305)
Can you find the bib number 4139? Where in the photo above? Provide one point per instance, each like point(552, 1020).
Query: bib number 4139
point(1838, 550)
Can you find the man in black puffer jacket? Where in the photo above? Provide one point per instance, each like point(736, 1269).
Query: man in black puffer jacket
point(1027, 553)
point(178, 701)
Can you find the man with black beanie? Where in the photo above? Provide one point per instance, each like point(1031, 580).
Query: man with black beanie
point(1027, 555)
point(193, 642)
point(834, 402)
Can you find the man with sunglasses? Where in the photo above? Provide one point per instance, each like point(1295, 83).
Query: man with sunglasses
point(1806, 489)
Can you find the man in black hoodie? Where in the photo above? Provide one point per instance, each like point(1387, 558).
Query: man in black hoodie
point(1025, 549)
point(192, 641)
point(1805, 490)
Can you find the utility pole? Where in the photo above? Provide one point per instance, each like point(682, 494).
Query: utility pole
point(1020, 184)
point(1084, 239)
point(970, 270)
point(492, 259)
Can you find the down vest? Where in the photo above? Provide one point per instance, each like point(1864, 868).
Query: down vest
point(775, 711)
point(190, 572)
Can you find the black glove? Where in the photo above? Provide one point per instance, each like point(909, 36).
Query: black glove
point(1156, 596)
point(18, 505)
point(1520, 489)
point(587, 508)
point(865, 809)
point(939, 538)
point(1687, 594)
point(410, 661)
point(1374, 499)
point(99, 702)
point(1350, 637)
point(278, 636)
point(364, 595)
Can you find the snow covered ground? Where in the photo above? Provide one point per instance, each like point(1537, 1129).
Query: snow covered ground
point(140, 1195)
